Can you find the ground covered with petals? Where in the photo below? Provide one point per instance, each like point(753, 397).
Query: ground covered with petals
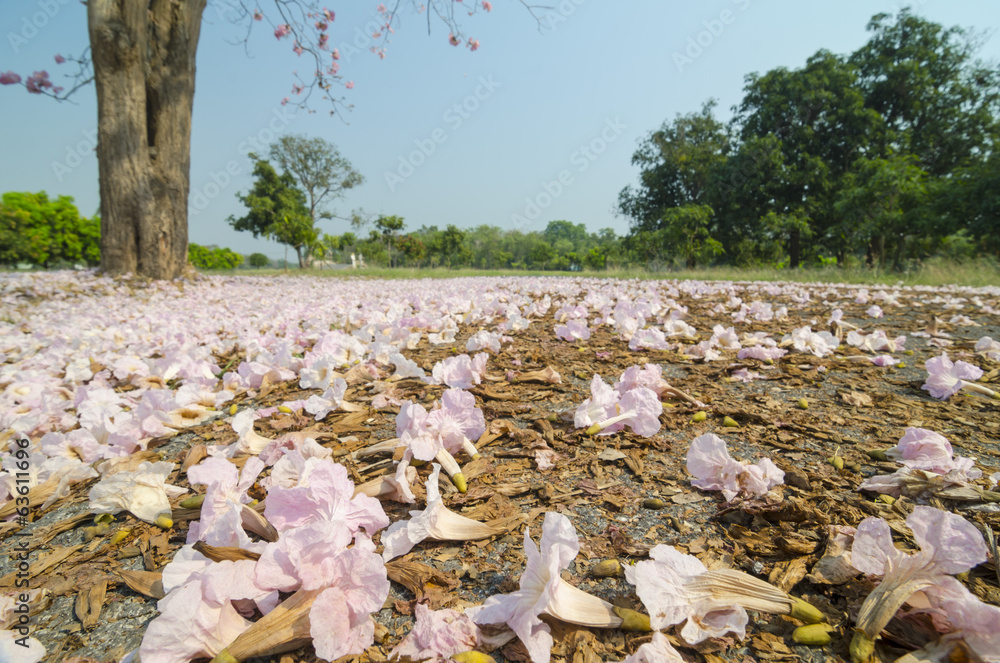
point(125, 399)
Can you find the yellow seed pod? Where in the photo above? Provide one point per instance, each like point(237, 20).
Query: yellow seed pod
point(193, 502)
point(654, 503)
point(729, 422)
point(609, 568)
point(701, 415)
point(803, 404)
point(836, 461)
point(164, 521)
point(285, 409)
point(233, 409)
point(119, 536)
point(815, 635)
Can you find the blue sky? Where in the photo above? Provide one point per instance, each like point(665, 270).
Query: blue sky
point(540, 123)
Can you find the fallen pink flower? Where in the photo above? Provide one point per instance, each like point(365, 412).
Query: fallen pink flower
point(324, 494)
point(677, 588)
point(948, 543)
point(462, 371)
point(648, 339)
point(435, 522)
point(437, 635)
point(709, 462)
point(543, 590)
point(762, 353)
point(657, 650)
point(945, 378)
point(605, 413)
point(923, 449)
point(573, 330)
point(143, 492)
point(966, 623)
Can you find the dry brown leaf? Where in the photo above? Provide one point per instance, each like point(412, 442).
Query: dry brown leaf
point(425, 582)
point(856, 398)
point(41, 565)
point(147, 583)
point(786, 575)
point(89, 603)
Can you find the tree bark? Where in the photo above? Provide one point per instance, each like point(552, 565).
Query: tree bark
point(144, 69)
point(794, 249)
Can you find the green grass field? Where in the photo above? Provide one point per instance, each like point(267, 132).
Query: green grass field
point(933, 273)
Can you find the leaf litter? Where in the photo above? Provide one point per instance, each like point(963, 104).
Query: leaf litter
point(816, 418)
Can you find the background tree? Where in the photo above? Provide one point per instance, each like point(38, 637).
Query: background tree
point(389, 227)
point(142, 61)
point(277, 210)
point(678, 162)
point(259, 260)
point(319, 170)
point(204, 257)
point(46, 233)
point(819, 115)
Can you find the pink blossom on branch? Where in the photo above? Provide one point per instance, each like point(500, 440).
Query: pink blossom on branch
point(9, 78)
point(282, 31)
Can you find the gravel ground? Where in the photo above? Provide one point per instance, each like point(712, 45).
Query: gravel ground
point(603, 493)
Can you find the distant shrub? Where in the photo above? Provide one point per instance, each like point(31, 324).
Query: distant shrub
point(213, 258)
point(259, 260)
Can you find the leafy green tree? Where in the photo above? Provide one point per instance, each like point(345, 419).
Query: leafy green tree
point(884, 201)
point(454, 252)
point(678, 163)
point(203, 257)
point(319, 170)
point(685, 230)
point(412, 249)
point(259, 260)
point(277, 210)
point(819, 116)
point(389, 227)
point(935, 101)
point(46, 232)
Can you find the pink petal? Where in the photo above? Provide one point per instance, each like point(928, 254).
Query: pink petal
point(955, 543)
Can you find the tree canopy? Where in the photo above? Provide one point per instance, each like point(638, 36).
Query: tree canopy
point(46, 233)
point(278, 210)
point(881, 155)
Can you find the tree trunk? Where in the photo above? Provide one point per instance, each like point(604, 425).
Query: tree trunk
point(144, 68)
point(794, 249)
